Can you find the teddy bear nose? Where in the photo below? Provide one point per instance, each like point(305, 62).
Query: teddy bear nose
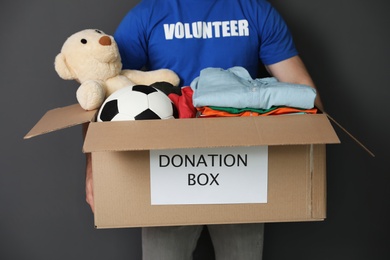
point(105, 40)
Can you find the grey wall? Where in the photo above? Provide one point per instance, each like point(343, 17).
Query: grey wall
point(345, 45)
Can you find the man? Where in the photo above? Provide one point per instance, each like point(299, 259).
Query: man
point(187, 36)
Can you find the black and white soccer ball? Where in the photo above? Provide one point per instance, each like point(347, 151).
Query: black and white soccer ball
point(137, 102)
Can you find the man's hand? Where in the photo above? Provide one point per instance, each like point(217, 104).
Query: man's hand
point(89, 182)
point(88, 175)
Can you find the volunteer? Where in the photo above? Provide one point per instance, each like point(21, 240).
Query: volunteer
point(187, 36)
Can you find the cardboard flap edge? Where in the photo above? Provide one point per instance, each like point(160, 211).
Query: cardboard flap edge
point(208, 133)
point(350, 135)
point(61, 118)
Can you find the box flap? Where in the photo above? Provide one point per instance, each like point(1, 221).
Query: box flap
point(60, 118)
point(350, 135)
point(209, 132)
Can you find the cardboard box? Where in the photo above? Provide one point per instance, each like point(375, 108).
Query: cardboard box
point(121, 167)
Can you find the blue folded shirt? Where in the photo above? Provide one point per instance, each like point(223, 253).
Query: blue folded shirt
point(234, 87)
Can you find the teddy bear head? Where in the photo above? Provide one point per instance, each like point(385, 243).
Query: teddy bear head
point(88, 55)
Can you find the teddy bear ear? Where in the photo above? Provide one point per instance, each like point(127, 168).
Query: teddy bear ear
point(62, 68)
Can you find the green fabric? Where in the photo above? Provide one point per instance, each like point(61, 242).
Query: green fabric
point(233, 110)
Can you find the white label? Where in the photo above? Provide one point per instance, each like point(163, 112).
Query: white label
point(209, 176)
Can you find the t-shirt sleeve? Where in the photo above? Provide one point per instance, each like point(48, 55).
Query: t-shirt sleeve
point(276, 39)
point(131, 40)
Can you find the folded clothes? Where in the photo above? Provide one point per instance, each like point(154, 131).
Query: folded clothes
point(234, 112)
point(234, 87)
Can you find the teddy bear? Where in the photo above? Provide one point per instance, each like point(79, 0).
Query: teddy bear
point(92, 58)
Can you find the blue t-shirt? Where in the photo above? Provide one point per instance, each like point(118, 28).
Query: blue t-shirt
point(187, 36)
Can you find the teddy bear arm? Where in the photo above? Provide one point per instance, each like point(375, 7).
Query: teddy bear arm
point(116, 83)
point(91, 94)
point(149, 77)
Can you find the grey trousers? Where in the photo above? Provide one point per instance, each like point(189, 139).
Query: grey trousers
point(238, 242)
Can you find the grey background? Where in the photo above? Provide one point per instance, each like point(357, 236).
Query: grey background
point(345, 45)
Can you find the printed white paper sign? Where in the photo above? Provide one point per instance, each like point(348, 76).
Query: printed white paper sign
point(209, 176)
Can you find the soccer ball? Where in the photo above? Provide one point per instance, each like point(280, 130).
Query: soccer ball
point(137, 102)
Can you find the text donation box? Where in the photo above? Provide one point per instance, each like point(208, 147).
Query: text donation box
point(226, 175)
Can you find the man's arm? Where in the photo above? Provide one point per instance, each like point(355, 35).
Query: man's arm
point(294, 71)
